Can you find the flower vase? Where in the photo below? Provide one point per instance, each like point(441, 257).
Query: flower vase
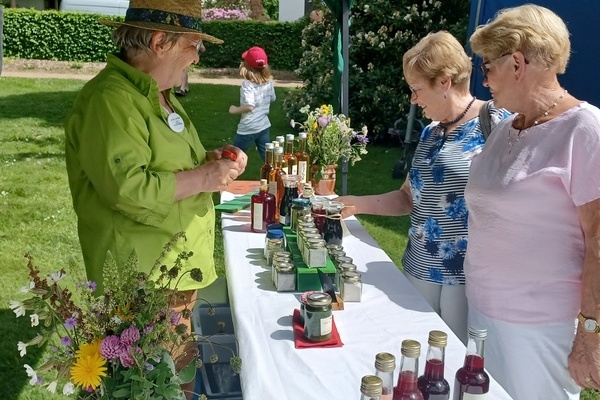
point(326, 185)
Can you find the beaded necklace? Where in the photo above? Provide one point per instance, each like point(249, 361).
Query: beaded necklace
point(443, 126)
point(514, 138)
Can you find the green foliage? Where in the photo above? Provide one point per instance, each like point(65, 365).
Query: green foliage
point(380, 32)
point(271, 8)
point(53, 35)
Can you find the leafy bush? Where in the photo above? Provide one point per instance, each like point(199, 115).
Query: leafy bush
point(53, 35)
point(381, 31)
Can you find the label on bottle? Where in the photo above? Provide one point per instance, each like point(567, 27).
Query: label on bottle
point(469, 396)
point(326, 325)
point(302, 170)
point(282, 219)
point(294, 170)
point(257, 221)
point(273, 188)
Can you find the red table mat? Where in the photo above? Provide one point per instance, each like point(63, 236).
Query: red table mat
point(301, 342)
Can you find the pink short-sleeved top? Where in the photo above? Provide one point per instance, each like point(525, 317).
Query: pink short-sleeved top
point(525, 255)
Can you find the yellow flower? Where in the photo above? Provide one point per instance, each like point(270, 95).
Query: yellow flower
point(89, 349)
point(124, 313)
point(326, 109)
point(88, 371)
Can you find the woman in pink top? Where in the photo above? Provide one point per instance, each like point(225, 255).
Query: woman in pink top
point(533, 194)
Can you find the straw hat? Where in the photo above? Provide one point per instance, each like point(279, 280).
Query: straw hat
point(179, 16)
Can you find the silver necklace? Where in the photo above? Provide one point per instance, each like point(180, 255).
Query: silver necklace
point(514, 138)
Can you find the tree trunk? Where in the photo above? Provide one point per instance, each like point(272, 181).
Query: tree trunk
point(257, 11)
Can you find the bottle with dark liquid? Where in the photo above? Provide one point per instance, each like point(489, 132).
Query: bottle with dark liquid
point(302, 159)
point(385, 364)
point(432, 383)
point(269, 159)
point(290, 192)
point(332, 230)
point(289, 156)
point(472, 382)
point(370, 388)
point(276, 181)
point(262, 208)
point(407, 388)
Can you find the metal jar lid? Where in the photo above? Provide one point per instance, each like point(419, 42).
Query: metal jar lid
point(316, 243)
point(282, 253)
point(385, 362)
point(477, 333)
point(281, 260)
point(318, 299)
point(438, 339)
point(336, 253)
point(345, 267)
point(351, 276)
point(371, 386)
point(343, 259)
point(274, 242)
point(285, 267)
point(411, 348)
point(335, 246)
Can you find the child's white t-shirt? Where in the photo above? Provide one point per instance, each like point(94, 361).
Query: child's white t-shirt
point(260, 96)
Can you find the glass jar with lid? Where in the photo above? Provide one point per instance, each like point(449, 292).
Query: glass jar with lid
point(316, 255)
point(339, 272)
point(332, 226)
point(300, 208)
point(285, 277)
point(318, 320)
point(351, 286)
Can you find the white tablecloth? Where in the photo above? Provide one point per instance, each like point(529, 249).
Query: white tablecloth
point(391, 311)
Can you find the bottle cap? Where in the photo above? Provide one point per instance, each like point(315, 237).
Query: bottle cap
point(319, 299)
point(302, 135)
point(477, 333)
point(289, 136)
point(274, 234)
point(351, 276)
point(438, 339)
point(411, 348)
point(385, 362)
point(371, 385)
point(229, 155)
point(269, 145)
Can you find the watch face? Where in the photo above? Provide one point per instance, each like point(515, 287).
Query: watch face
point(590, 325)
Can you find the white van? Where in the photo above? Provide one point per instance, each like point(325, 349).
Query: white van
point(105, 7)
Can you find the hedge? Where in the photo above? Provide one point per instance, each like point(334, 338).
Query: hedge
point(65, 36)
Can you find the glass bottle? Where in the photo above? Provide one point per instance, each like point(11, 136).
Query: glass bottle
point(269, 158)
point(281, 140)
point(370, 388)
point(262, 208)
point(332, 225)
point(290, 192)
point(302, 158)
point(472, 382)
point(407, 388)
point(432, 383)
point(289, 156)
point(276, 181)
point(385, 364)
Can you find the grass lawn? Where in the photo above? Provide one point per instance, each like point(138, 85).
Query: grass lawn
point(35, 204)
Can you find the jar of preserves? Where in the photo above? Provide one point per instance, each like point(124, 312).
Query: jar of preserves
point(285, 277)
point(351, 289)
point(318, 320)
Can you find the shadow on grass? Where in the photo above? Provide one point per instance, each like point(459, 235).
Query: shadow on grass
point(12, 372)
point(51, 107)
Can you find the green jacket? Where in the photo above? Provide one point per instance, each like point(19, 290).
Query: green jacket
point(121, 159)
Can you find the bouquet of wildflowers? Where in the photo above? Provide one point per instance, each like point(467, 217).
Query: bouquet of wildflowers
point(330, 137)
point(123, 344)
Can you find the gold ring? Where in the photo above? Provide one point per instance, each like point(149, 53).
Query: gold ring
point(588, 378)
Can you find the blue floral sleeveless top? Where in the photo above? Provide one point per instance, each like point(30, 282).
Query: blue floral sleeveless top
point(438, 234)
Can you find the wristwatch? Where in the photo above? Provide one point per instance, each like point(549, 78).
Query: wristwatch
point(589, 324)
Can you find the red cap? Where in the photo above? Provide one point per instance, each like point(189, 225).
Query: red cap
point(229, 155)
point(256, 57)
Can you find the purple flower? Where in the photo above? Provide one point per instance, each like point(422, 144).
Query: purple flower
point(126, 357)
point(362, 139)
point(111, 347)
point(148, 329)
point(174, 317)
point(130, 335)
point(148, 366)
point(323, 121)
point(71, 323)
point(65, 341)
point(92, 286)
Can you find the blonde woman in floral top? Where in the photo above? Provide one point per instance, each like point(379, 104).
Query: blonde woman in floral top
point(438, 71)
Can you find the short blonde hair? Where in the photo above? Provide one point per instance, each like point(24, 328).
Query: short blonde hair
point(259, 76)
point(438, 54)
point(535, 31)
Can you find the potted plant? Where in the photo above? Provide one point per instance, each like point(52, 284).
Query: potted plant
point(329, 138)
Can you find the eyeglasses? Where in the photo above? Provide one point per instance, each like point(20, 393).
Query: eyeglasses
point(199, 45)
point(485, 70)
point(414, 91)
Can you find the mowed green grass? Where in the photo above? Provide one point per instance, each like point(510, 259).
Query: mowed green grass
point(35, 205)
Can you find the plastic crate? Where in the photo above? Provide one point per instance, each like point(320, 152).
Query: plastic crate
point(219, 382)
point(216, 333)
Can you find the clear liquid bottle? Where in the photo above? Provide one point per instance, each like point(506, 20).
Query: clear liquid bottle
point(407, 388)
point(432, 383)
point(269, 159)
point(262, 211)
point(281, 140)
point(303, 159)
point(289, 155)
point(385, 364)
point(276, 181)
point(370, 388)
point(472, 382)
